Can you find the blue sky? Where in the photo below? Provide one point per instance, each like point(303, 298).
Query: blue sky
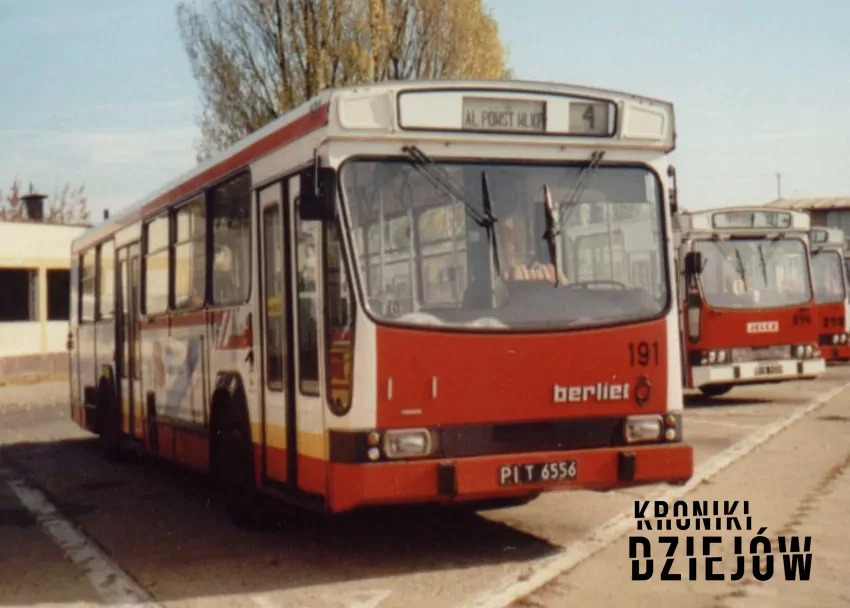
point(100, 91)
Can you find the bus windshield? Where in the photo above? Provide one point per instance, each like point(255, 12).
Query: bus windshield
point(754, 273)
point(424, 257)
point(827, 268)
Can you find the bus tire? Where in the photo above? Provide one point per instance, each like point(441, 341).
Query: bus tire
point(232, 461)
point(108, 421)
point(715, 390)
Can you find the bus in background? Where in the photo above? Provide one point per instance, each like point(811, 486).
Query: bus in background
point(831, 294)
point(748, 312)
point(354, 305)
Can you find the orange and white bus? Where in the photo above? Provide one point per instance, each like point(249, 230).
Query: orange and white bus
point(356, 306)
point(831, 293)
point(748, 311)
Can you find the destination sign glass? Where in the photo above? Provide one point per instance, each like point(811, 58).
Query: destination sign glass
point(752, 219)
point(820, 236)
point(590, 118)
point(488, 114)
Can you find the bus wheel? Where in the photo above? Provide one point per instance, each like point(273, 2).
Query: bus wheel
point(108, 422)
point(715, 390)
point(233, 466)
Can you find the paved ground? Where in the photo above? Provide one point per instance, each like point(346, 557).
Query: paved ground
point(140, 530)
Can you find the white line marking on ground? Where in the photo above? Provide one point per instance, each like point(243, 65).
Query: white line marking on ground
point(112, 584)
point(264, 601)
point(539, 572)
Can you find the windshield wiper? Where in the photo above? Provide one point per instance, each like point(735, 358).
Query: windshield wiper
point(489, 222)
point(552, 231)
point(441, 180)
point(578, 189)
point(763, 264)
point(741, 270)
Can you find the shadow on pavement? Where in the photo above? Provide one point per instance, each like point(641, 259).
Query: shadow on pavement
point(162, 525)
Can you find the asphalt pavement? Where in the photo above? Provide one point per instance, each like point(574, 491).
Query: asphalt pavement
point(76, 530)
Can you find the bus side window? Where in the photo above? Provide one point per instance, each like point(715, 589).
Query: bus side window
point(230, 211)
point(339, 311)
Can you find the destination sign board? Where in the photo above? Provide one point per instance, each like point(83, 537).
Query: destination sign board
point(751, 219)
point(488, 114)
point(570, 117)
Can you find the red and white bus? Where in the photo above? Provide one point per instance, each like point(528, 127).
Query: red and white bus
point(356, 305)
point(748, 311)
point(831, 292)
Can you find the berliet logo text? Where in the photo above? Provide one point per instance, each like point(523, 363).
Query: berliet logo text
point(763, 327)
point(601, 391)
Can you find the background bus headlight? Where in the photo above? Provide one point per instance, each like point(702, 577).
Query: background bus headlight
point(407, 443)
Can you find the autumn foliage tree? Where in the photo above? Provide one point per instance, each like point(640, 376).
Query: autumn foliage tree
point(68, 205)
point(256, 59)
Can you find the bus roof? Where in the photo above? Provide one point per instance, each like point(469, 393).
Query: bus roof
point(493, 111)
point(744, 220)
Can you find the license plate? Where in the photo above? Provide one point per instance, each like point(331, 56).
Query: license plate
point(767, 370)
point(518, 474)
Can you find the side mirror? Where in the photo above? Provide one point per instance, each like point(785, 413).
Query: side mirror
point(317, 193)
point(693, 263)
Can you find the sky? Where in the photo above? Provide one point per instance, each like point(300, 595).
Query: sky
point(100, 92)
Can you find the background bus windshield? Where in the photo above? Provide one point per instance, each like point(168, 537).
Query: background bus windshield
point(754, 273)
point(424, 256)
point(827, 268)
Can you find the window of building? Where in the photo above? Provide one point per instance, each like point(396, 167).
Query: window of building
point(58, 295)
point(19, 296)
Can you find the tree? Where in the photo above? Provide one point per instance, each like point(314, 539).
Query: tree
point(256, 59)
point(68, 206)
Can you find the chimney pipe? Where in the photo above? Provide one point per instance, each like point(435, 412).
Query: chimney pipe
point(34, 204)
point(106, 214)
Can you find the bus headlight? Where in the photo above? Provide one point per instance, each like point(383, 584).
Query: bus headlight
point(800, 351)
point(844, 338)
point(712, 356)
point(407, 443)
point(721, 356)
point(835, 339)
point(809, 350)
point(642, 428)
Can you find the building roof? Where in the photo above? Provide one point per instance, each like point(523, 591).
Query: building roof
point(825, 203)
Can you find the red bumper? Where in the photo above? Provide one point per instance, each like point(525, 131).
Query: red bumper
point(839, 352)
point(478, 478)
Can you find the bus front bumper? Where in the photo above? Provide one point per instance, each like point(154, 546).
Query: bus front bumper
point(835, 352)
point(757, 371)
point(467, 479)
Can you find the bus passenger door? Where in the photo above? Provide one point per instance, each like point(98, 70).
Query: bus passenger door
point(127, 326)
point(309, 437)
point(278, 413)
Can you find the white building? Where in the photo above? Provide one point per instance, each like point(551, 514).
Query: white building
point(34, 297)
